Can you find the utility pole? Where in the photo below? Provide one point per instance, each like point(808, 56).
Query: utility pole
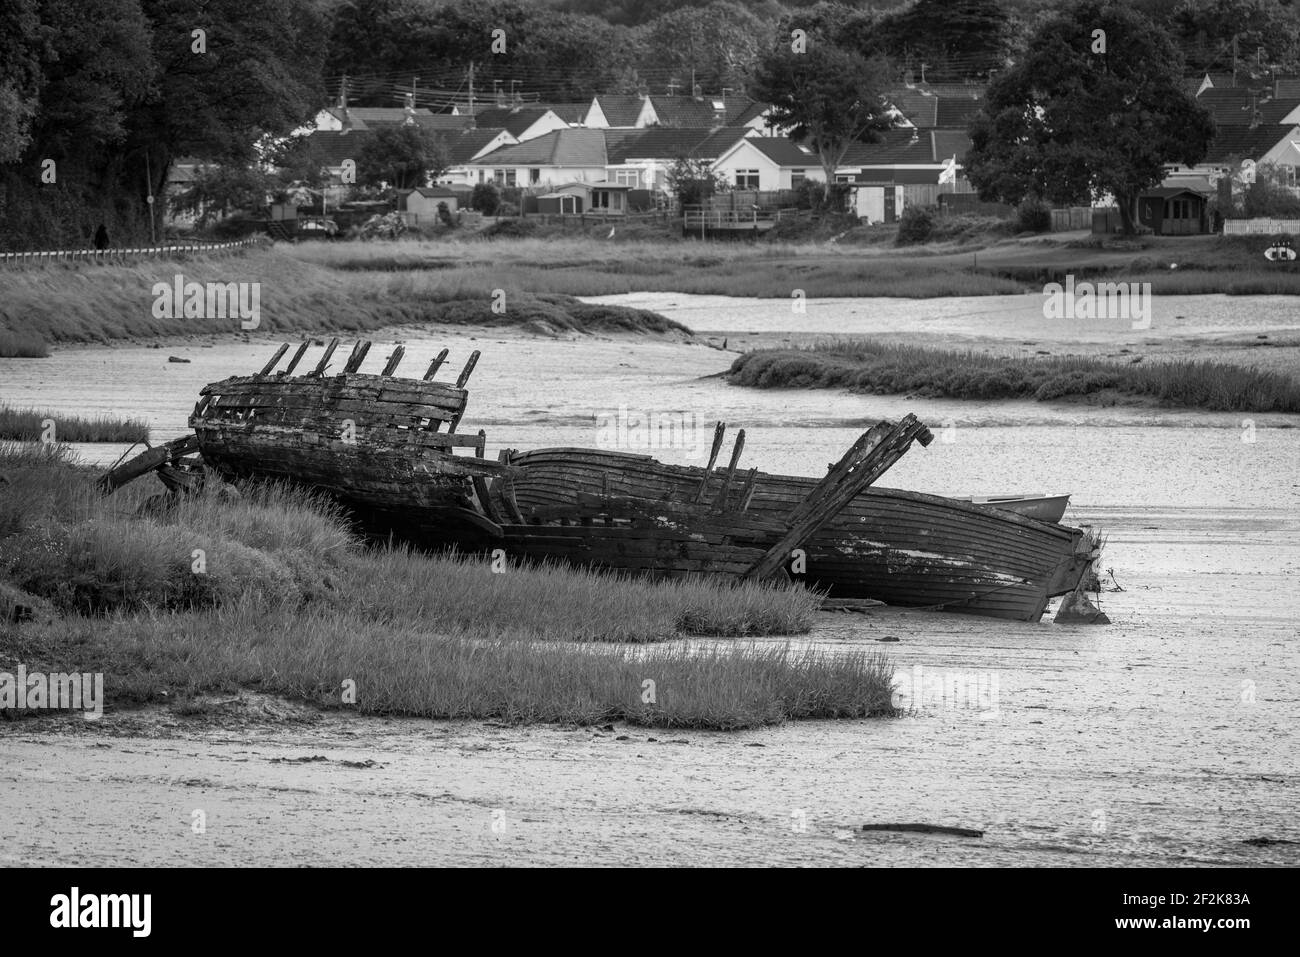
point(471, 89)
point(148, 176)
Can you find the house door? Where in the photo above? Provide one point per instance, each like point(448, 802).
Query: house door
point(891, 214)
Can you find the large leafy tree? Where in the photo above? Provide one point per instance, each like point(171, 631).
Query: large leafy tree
point(1068, 124)
point(404, 156)
point(825, 95)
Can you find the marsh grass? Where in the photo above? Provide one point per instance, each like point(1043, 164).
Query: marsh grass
point(26, 425)
point(289, 602)
point(888, 369)
point(18, 344)
point(98, 303)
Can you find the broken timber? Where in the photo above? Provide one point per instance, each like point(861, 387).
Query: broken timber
point(869, 458)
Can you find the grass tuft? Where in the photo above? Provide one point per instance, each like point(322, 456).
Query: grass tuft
point(864, 365)
point(28, 425)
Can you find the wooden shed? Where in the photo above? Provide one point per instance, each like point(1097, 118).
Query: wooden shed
point(1173, 211)
point(423, 202)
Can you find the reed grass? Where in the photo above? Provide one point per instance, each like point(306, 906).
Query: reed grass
point(864, 365)
point(28, 425)
point(289, 602)
point(19, 344)
point(70, 302)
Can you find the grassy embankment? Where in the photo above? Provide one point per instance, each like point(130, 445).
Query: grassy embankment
point(886, 369)
point(287, 602)
point(67, 303)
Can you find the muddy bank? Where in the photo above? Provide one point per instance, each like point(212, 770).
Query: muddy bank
point(1165, 739)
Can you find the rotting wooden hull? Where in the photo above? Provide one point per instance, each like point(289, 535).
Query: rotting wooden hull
point(370, 442)
point(903, 548)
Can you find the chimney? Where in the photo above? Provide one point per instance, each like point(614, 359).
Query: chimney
point(697, 92)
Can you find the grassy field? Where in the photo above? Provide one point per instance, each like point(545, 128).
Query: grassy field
point(863, 365)
point(271, 591)
point(28, 425)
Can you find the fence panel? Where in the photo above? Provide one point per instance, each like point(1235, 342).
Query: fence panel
point(1248, 227)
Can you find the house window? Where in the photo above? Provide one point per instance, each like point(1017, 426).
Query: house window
point(499, 175)
point(797, 176)
point(627, 177)
point(843, 178)
point(746, 179)
point(534, 175)
point(1289, 173)
point(510, 178)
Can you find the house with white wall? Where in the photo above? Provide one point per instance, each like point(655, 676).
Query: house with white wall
point(768, 163)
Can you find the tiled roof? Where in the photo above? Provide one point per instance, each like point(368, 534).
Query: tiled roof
point(569, 112)
point(900, 148)
point(464, 147)
point(666, 143)
point(1286, 86)
point(331, 148)
point(621, 110)
point(1234, 143)
point(687, 111)
point(1230, 106)
point(783, 151)
point(517, 119)
point(431, 192)
point(567, 147)
point(369, 117)
point(918, 107)
point(949, 143)
point(956, 111)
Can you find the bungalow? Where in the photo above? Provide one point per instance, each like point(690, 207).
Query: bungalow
point(768, 163)
point(470, 145)
point(643, 158)
point(561, 156)
point(907, 157)
point(522, 122)
point(1276, 144)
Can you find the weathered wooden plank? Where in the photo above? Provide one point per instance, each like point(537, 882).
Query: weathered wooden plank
point(266, 369)
point(869, 458)
point(436, 364)
point(391, 365)
point(358, 356)
point(718, 431)
point(325, 359)
point(469, 368)
point(297, 357)
point(736, 449)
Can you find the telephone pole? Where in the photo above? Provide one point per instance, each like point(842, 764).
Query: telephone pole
point(471, 89)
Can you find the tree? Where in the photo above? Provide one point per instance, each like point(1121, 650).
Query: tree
point(828, 96)
point(717, 44)
point(405, 156)
point(486, 198)
point(692, 181)
point(1068, 124)
point(955, 39)
point(20, 76)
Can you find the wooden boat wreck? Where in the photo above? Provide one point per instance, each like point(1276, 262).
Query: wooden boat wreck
point(387, 450)
point(383, 447)
point(691, 529)
point(899, 547)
